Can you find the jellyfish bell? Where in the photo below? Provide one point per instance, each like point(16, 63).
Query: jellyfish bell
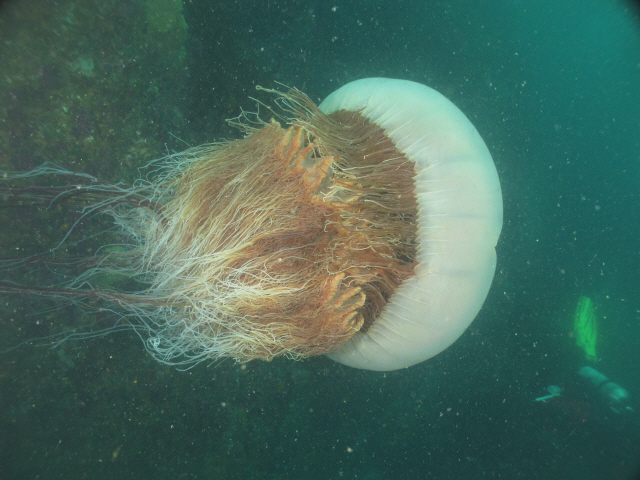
point(458, 223)
point(365, 230)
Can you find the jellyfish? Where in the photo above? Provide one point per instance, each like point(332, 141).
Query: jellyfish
point(363, 229)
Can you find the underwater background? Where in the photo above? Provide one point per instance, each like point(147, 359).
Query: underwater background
point(553, 87)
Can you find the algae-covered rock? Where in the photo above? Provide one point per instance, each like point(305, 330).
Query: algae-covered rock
point(166, 24)
point(165, 15)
